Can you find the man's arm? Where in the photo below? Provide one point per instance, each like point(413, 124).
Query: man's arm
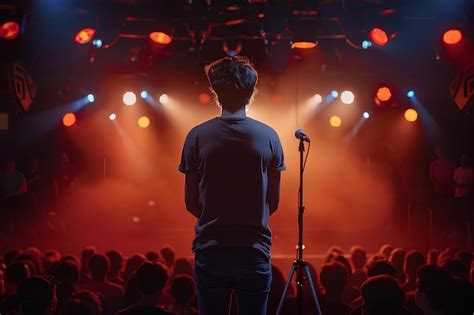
point(191, 194)
point(273, 193)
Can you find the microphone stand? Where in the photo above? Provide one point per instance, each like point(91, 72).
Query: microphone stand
point(300, 266)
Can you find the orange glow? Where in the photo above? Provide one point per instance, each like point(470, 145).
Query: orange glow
point(452, 36)
point(411, 115)
point(69, 119)
point(204, 98)
point(378, 36)
point(143, 122)
point(335, 121)
point(304, 45)
point(384, 94)
point(160, 38)
point(10, 30)
point(85, 35)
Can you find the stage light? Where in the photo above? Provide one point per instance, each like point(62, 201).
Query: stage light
point(90, 98)
point(304, 45)
point(69, 119)
point(143, 122)
point(9, 30)
point(366, 44)
point(318, 99)
point(129, 98)
point(163, 99)
point(411, 93)
point(143, 94)
point(384, 94)
point(97, 43)
point(232, 48)
point(335, 121)
point(366, 115)
point(113, 116)
point(347, 97)
point(334, 93)
point(85, 35)
point(204, 98)
point(378, 36)
point(160, 38)
point(411, 115)
point(452, 36)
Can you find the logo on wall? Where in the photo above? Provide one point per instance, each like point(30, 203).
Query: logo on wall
point(23, 86)
point(462, 87)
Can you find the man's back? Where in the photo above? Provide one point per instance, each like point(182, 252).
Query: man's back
point(233, 157)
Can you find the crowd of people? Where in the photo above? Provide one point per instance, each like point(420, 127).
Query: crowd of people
point(392, 281)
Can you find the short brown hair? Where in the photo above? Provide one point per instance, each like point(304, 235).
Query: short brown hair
point(233, 81)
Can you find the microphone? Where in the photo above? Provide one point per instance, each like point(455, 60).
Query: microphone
point(299, 134)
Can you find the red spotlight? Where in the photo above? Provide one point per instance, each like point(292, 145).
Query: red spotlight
point(160, 38)
point(204, 98)
point(378, 36)
point(85, 35)
point(9, 30)
point(452, 36)
point(69, 119)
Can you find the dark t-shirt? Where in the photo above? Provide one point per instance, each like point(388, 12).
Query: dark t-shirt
point(143, 310)
point(232, 157)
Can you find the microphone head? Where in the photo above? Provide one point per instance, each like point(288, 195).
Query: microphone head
point(299, 134)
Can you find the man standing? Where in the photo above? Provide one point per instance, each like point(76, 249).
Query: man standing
point(232, 165)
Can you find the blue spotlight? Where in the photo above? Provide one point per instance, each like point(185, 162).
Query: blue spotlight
point(366, 115)
point(143, 94)
point(90, 98)
point(366, 44)
point(334, 93)
point(411, 93)
point(97, 43)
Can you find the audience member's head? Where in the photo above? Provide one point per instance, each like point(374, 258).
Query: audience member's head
point(456, 268)
point(382, 295)
point(376, 257)
point(465, 257)
point(413, 260)
point(99, 266)
point(333, 278)
point(67, 272)
point(381, 267)
point(11, 256)
point(35, 259)
point(168, 255)
point(332, 252)
point(343, 260)
point(37, 296)
point(386, 250)
point(15, 274)
point(358, 257)
point(435, 290)
point(116, 261)
point(151, 256)
point(132, 265)
point(397, 257)
point(182, 290)
point(50, 259)
point(183, 266)
point(233, 81)
point(152, 278)
point(86, 255)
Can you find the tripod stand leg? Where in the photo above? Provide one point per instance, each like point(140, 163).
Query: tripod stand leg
point(313, 290)
point(285, 290)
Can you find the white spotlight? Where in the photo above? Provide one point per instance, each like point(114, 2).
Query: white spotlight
point(163, 98)
point(347, 97)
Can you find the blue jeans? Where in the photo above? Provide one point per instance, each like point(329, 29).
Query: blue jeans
point(219, 270)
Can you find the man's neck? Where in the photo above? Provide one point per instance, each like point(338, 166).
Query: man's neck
point(241, 113)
